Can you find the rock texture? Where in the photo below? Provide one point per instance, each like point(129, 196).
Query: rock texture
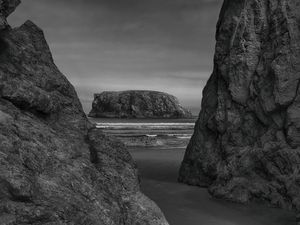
point(246, 143)
point(137, 104)
point(54, 167)
point(6, 8)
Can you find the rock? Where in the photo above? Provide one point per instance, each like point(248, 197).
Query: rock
point(246, 142)
point(137, 104)
point(55, 168)
point(6, 8)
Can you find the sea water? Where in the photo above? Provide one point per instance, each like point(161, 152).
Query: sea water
point(154, 133)
point(158, 147)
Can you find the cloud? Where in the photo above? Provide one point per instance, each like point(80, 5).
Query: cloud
point(166, 45)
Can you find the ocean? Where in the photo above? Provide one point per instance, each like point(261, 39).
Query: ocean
point(149, 133)
point(158, 147)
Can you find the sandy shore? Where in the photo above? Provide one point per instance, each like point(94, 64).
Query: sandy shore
point(187, 205)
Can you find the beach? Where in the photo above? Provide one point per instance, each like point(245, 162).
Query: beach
point(189, 205)
point(159, 161)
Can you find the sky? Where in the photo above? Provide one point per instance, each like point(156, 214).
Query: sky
point(114, 45)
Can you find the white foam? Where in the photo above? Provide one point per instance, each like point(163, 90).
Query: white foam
point(185, 137)
point(144, 125)
point(151, 135)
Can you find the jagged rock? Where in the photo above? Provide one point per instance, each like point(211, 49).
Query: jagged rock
point(246, 143)
point(6, 8)
point(137, 104)
point(54, 167)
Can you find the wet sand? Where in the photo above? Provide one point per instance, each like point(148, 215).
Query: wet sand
point(188, 205)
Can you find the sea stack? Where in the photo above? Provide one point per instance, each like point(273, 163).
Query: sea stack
point(246, 142)
point(55, 168)
point(137, 104)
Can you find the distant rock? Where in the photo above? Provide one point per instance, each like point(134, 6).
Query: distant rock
point(246, 143)
point(56, 169)
point(137, 104)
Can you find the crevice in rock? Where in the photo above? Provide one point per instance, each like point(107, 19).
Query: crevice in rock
point(20, 198)
point(93, 151)
point(3, 45)
point(24, 106)
point(93, 154)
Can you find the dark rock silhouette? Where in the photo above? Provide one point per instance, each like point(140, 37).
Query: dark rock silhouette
point(137, 104)
point(54, 167)
point(246, 143)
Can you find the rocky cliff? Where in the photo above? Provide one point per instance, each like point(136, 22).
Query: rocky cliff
point(137, 104)
point(246, 143)
point(54, 167)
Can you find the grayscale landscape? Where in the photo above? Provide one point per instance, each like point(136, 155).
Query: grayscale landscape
point(150, 112)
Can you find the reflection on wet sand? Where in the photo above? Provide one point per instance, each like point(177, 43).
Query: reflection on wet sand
point(188, 205)
point(158, 147)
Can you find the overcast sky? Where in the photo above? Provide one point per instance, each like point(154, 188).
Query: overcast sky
point(164, 45)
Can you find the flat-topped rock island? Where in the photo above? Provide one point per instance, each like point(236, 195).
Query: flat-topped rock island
point(137, 104)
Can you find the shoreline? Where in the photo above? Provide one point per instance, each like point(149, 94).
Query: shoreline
point(137, 120)
point(158, 162)
point(191, 205)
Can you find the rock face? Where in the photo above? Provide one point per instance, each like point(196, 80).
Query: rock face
point(137, 104)
point(54, 167)
point(6, 8)
point(246, 143)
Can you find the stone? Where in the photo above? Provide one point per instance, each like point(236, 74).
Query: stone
point(55, 167)
point(6, 8)
point(137, 104)
point(246, 142)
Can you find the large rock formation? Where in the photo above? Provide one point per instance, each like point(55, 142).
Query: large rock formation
point(54, 167)
point(6, 8)
point(137, 104)
point(246, 143)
